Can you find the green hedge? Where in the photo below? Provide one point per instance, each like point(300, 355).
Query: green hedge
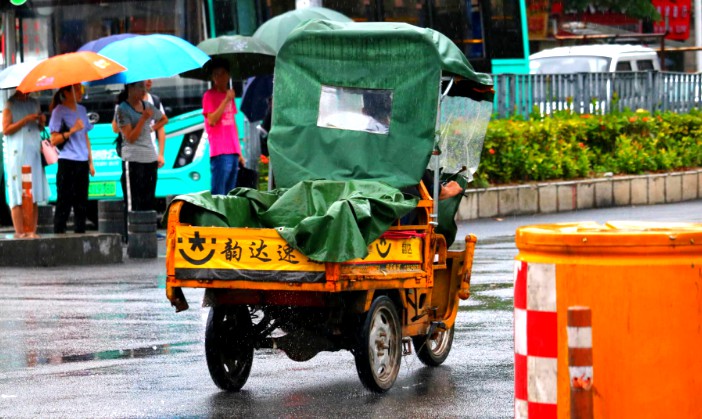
point(570, 146)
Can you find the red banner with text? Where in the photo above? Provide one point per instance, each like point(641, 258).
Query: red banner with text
point(675, 17)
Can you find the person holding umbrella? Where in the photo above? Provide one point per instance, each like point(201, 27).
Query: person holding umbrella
point(136, 119)
point(22, 122)
point(219, 108)
point(69, 126)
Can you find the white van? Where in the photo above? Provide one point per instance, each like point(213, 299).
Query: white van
point(594, 59)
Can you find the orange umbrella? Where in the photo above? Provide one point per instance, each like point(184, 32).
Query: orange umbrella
point(67, 69)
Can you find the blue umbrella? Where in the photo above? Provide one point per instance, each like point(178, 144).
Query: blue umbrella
point(100, 43)
point(152, 57)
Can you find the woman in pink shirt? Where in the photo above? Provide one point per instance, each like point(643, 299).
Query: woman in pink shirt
point(219, 109)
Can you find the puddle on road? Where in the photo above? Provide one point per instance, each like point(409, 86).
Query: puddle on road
point(33, 359)
point(496, 296)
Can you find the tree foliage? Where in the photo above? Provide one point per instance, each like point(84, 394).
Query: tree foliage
point(641, 9)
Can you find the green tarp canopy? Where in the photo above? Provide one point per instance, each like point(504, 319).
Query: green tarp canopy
point(406, 60)
point(340, 188)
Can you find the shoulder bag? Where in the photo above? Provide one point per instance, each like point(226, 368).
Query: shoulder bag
point(49, 154)
point(64, 129)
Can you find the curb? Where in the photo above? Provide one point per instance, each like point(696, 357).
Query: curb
point(61, 250)
point(551, 197)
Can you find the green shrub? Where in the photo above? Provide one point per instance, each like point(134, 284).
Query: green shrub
point(571, 146)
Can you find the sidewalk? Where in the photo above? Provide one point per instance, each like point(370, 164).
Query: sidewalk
point(523, 204)
point(553, 197)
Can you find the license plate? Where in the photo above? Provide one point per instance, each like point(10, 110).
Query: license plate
point(102, 189)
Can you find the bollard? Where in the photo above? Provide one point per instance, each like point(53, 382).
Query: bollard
point(580, 362)
point(111, 218)
point(27, 200)
point(143, 242)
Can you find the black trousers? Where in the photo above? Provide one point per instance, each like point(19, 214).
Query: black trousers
point(141, 193)
point(72, 180)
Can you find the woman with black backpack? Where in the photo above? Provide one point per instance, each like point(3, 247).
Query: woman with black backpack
point(140, 161)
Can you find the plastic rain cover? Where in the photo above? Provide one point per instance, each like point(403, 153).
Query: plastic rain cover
point(462, 128)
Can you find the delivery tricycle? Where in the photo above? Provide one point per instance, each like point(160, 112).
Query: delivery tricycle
point(352, 250)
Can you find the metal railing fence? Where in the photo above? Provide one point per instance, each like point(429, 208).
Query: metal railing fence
point(595, 93)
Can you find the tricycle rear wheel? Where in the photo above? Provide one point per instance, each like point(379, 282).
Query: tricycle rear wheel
point(433, 350)
point(379, 351)
point(229, 346)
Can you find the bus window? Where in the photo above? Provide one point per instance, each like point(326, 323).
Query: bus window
point(68, 26)
point(234, 17)
point(358, 10)
point(409, 11)
point(502, 20)
point(51, 27)
point(35, 35)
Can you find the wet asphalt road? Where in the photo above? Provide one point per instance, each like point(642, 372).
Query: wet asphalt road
point(104, 342)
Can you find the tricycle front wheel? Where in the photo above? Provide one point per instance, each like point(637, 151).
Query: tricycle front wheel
point(379, 348)
point(229, 346)
point(433, 350)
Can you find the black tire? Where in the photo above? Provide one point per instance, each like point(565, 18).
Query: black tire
point(379, 350)
point(110, 206)
point(142, 217)
point(113, 225)
point(433, 350)
point(142, 228)
point(229, 346)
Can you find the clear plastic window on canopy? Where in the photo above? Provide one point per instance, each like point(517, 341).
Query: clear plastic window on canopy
point(366, 110)
point(462, 130)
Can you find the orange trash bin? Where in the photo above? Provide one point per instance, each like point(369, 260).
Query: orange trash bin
point(643, 283)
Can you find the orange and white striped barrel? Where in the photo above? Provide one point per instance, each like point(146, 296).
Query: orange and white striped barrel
point(535, 348)
point(643, 283)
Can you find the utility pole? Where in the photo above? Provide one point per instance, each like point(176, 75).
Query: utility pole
point(8, 58)
point(698, 32)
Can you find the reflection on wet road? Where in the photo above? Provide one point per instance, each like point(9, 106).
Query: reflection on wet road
point(104, 342)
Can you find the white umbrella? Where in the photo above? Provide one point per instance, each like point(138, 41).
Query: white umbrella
point(14, 74)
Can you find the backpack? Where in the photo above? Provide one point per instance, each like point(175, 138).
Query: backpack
point(118, 144)
point(157, 101)
point(64, 129)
